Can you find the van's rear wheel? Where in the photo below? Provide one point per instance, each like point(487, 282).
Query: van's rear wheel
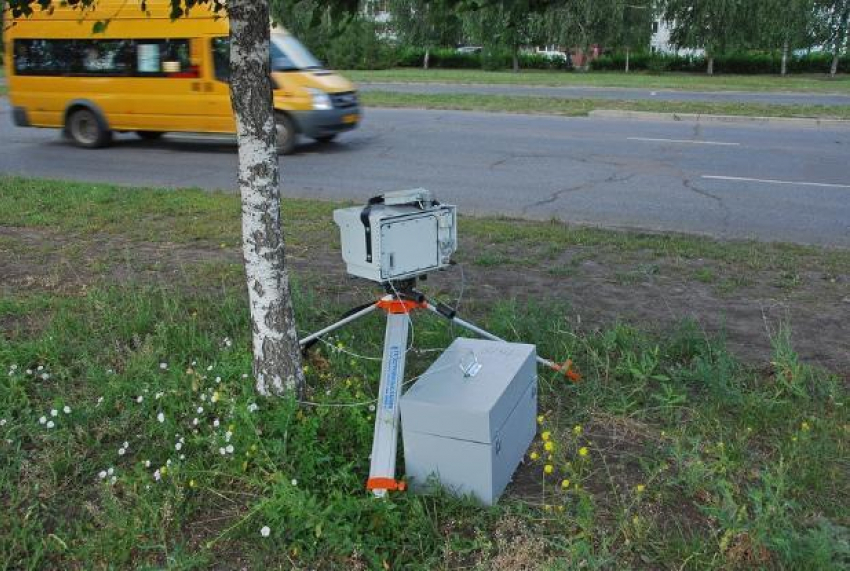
point(87, 130)
point(286, 134)
point(149, 135)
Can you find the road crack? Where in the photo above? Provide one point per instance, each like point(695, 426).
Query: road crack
point(689, 184)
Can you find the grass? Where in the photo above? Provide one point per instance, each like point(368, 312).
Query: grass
point(195, 216)
point(691, 82)
point(581, 107)
point(677, 455)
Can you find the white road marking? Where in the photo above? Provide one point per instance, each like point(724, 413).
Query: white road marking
point(772, 181)
point(685, 141)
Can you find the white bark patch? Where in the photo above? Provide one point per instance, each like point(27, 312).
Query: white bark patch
point(277, 362)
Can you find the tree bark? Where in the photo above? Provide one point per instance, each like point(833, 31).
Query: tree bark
point(515, 60)
point(785, 48)
point(277, 355)
point(627, 60)
point(427, 60)
point(710, 69)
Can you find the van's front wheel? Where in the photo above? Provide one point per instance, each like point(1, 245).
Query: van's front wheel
point(286, 134)
point(87, 130)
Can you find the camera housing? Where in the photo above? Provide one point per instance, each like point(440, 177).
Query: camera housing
point(397, 236)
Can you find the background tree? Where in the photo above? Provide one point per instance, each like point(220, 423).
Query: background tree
point(711, 25)
point(276, 353)
point(833, 22)
point(503, 25)
point(786, 24)
point(633, 30)
point(585, 22)
point(425, 24)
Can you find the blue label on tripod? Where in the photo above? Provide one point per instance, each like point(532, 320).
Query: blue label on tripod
point(392, 378)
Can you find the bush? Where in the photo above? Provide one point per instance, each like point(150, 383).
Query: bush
point(738, 63)
point(357, 46)
point(489, 58)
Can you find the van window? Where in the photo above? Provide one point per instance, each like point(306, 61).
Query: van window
point(221, 58)
point(110, 58)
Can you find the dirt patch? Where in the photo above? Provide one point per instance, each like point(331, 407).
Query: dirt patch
point(600, 287)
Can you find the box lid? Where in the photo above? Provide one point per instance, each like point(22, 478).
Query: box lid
point(470, 390)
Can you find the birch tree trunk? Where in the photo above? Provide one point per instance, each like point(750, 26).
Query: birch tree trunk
point(710, 69)
point(427, 61)
point(785, 49)
point(627, 59)
point(277, 356)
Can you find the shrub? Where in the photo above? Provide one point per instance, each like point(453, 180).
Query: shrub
point(738, 63)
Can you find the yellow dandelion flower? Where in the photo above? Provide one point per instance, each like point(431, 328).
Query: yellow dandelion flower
point(636, 520)
point(253, 448)
point(583, 451)
point(805, 426)
point(535, 455)
point(548, 468)
point(549, 446)
point(192, 483)
point(216, 396)
point(560, 508)
point(163, 471)
point(547, 507)
point(540, 419)
point(546, 436)
point(793, 439)
point(577, 429)
point(565, 484)
point(640, 488)
point(231, 427)
point(306, 369)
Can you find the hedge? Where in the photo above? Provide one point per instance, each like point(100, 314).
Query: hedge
point(739, 63)
point(447, 58)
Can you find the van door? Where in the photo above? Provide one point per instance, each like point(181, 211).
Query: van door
point(220, 117)
point(168, 89)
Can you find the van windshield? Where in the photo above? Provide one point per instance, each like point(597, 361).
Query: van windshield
point(288, 54)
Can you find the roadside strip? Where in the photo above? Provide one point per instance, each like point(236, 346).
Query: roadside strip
point(708, 118)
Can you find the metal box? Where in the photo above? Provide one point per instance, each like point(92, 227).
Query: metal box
point(395, 240)
point(468, 421)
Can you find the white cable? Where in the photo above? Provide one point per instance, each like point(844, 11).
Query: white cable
point(347, 352)
point(373, 401)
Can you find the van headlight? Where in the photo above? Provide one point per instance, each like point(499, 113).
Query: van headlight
point(321, 100)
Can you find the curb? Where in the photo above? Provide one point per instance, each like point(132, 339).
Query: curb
point(700, 118)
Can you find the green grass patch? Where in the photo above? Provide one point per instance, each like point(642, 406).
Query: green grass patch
point(692, 82)
point(581, 107)
point(187, 216)
point(131, 436)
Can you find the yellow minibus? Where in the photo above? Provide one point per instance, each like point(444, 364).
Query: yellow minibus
point(148, 74)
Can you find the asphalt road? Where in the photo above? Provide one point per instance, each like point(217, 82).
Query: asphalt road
point(617, 93)
point(768, 182)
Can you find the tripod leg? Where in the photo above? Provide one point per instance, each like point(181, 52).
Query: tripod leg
point(385, 440)
point(337, 325)
point(451, 316)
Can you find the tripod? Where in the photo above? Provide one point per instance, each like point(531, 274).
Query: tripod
point(402, 299)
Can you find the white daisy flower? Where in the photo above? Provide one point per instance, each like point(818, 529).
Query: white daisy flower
point(160, 417)
point(294, 482)
point(42, 420)
point(54, 413)
point(229, 448)
point(140, 398)
point(50, 424)
point(200, 410)
point(66, 409)
point(101, 474)
point(122, 451)
point(222, 451)
point(147, 463)
point(110, 471)
point(178, 446)
point(265, 531)
point(163, 366)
